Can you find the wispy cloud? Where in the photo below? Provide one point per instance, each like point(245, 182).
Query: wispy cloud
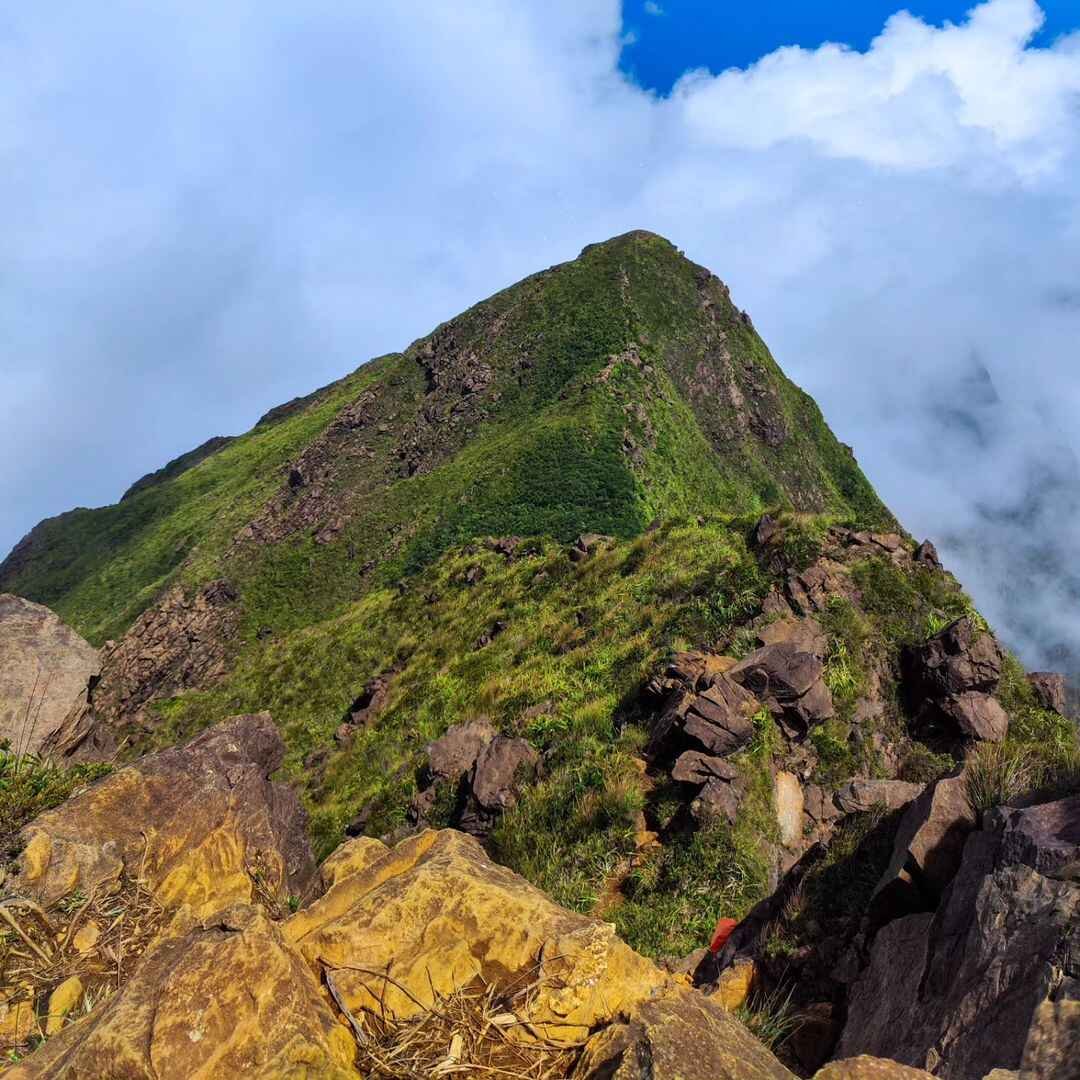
point(653, 8)
point(206, 209)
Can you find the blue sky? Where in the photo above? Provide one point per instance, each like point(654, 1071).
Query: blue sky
point(209, 208)
point(665, 38)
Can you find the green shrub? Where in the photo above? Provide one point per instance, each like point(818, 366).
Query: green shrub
point(998, 772)
point(771, 1017)
point(30, 785)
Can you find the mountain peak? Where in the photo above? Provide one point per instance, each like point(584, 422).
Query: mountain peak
point(596, 396)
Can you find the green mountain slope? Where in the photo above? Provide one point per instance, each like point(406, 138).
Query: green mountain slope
point(598, 395)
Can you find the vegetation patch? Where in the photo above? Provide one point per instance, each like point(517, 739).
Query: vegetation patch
point(676, 893)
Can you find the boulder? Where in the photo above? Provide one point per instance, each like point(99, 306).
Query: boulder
point(927, 555)
point(814, 588)
point(718, 720)
point(45, 669)
point(958, 659)
point(977, 715)
point(440, 913)
point(694, 767)
point(198, 824)
point(860, 796)
point(677, 1037)
point(805, 634)
point(717, 800)
point(1004, 943)
point(455, 753)
point(215, 999)
point(788, 681)
point(870, 1068)
point(495, 783)
point(927, 851)
point(1050, 690)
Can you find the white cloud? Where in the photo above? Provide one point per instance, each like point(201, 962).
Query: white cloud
point(205, 209)
point(653, 8)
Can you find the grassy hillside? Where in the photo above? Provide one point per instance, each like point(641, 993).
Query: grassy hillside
point(623, 394)
point(613, 389)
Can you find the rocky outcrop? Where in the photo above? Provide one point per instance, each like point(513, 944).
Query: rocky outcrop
point(950, 680)
point(789, 682)
point(396, 934)
point(479, 771)
point(1003, 944)
point(183, 641)
point(1051, 690)
point(677, 1037)
point(436, 909)
point(45, 669)
point(201, 825)
point(927, 851)
point(715, 721)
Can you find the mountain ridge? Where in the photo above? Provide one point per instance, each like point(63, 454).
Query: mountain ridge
point(493, 367)
point(582, 574)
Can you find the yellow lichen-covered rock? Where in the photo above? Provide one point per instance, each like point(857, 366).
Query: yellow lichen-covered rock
point(679, 1035)
point(197, 823)
point(869, 1068)
point(435, 912)
point(16, 1017)
point(734, 985)
point(86, 937)
point(350, 858)
point(227, 998)
point(61, 1001)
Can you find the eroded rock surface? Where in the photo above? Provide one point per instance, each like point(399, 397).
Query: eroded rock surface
point(1003, 944)
point(927, 851)
point(219, 998)
point(197, 824)
point(182, 641)
point(45, 668)
point(438, 910)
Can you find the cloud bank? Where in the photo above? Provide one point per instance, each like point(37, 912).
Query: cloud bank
point(206, 209)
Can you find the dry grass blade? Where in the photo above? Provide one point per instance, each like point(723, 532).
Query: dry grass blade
point(464, 1033)
point(126, 921)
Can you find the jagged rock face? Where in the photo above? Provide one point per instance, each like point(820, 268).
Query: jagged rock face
point(45, 669)
point(183, 641)
point(953, 677)
point(198, 824)
point(928, 849)
point(1004, 941)
point(654, 1043)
